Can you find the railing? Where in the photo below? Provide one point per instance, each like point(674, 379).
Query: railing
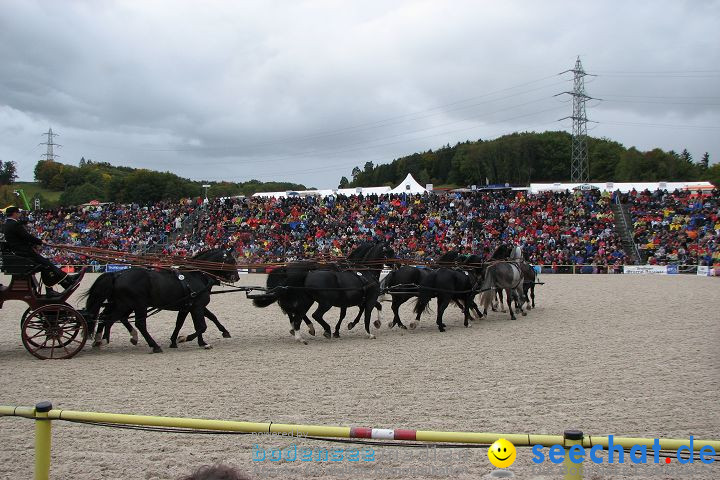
point(572, 442)
point(558, 269)
point(627, 230)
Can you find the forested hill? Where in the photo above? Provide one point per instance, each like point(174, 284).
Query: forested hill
point(521, 158)
point(108, 183)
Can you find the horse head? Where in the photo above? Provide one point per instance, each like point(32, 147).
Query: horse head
point(502, 252)
point(223, 256)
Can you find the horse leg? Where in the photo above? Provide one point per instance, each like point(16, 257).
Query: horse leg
point(310, 326)
point(378, 321)
point(500, 299)
point(99, 330)
point(508, 295)
point(343, 312)
point(368, 313)
point(211, 316)
point(130, 328)
point(318, 316)
point(140, 323)
point(179, 322)
point(296, 322)
point(471, 306)
point(200, 325)
point(532, 294)
point(520, 300)
point(396, 302)
point(352, 324)
point(442, 304)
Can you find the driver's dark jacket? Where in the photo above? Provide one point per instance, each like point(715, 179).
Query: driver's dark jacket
point(17, 239)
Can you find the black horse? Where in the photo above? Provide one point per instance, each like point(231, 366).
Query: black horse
point(359, 286)
point(285, 285)
point(355, 283)
point(136, 290)
point(403, 284)
point(103, 327)
point(452, 284)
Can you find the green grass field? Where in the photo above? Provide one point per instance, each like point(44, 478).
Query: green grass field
point(31, 188)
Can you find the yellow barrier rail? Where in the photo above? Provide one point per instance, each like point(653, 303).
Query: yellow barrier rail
point(43, 414)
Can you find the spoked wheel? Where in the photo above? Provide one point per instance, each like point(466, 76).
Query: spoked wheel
point(54, 331)
point(33, 341)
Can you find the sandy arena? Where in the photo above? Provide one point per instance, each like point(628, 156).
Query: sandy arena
point(623, 355)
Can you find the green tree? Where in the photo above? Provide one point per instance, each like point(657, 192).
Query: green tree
point(344, 182)
point(8, 172)
point(705, 162)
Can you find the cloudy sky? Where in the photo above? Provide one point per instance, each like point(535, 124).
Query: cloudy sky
point(304, 91)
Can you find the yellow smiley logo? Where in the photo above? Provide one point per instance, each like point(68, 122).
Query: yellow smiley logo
point(502, 453)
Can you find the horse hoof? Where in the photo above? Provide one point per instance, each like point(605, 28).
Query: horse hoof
point(311, 330)
point(412, 325)
point(156, 350)
point(292, 332)
point(207, 347)
point(351, 326)
point(371, 336)
point(524, 314)
point(403, 326)
point(182, 339)
point(377, 324)
point(336, 334)
point(327, 334)
point(304, 342)
point(391, 324)
point(134, 341)
point(97, 344)
point(226, 335)
point(441, 328)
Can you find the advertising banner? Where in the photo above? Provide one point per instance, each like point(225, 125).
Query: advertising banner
point(645, 269)
point(115, 267)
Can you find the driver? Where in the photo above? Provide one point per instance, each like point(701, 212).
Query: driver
point(21, 243)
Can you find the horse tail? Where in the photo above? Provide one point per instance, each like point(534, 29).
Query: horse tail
point(277, 279)
point(422, 304)
point(265, 300)
point(99, 292)
point(489, 280)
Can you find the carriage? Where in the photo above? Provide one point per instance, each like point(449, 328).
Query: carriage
point(50, 327)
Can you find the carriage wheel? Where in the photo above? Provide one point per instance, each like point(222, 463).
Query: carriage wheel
point(22, 321)
point(54, 332)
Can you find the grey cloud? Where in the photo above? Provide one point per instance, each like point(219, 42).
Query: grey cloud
point(304, 91)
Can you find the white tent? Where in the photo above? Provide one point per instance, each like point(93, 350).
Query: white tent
point(409, 185)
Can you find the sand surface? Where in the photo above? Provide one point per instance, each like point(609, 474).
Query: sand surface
point(622, 355)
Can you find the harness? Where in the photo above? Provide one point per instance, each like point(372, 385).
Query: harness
point(190, 292)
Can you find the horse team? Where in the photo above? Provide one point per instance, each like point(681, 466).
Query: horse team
point(296, 286)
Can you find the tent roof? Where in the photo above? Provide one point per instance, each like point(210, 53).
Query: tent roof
point(409, 185)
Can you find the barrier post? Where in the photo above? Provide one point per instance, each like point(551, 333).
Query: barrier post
point(43, 426)
point(573, 471)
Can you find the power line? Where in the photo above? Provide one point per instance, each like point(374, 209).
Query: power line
point(394, 120)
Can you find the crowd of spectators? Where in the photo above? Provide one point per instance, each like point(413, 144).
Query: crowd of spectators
point(679, 227)
point(553, 228)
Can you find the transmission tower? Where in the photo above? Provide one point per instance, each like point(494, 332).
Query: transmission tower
point(50, 154)
point(579, 166)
